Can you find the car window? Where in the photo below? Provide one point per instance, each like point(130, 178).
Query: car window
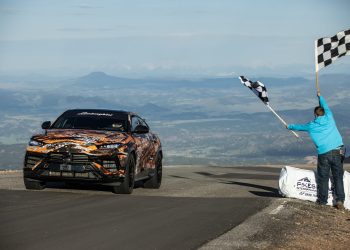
point(134, 122)
point(90, 122)
point(137, 121)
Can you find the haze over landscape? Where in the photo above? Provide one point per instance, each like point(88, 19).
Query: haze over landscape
point(176, 64)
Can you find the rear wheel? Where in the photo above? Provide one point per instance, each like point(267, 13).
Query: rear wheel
point(156, 180)
point(35, 185)
point(127, 186)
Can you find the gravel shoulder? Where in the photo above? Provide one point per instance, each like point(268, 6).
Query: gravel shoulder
point(315, 227)
point(289, 224)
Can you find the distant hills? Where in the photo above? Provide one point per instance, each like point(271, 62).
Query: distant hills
point(101, 79)
point(213, 121)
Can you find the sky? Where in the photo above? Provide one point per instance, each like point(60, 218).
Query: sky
point(156, 38)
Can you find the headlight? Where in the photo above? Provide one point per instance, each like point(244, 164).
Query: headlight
point(110, 146)
point(35, 143)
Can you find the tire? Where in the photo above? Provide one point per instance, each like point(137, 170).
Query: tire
point(156, 180)
point(34, 185)
point(127, 186)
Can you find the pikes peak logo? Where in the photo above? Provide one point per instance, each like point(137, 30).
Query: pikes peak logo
point(306, 184)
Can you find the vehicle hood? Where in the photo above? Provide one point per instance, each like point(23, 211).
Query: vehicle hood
point(82, 137)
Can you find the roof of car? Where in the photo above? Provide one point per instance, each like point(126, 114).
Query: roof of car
point(98, 112)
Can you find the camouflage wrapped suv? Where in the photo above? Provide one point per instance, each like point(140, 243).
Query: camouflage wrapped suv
point(107, 147)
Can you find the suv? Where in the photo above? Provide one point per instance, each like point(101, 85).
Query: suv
point(114, 148)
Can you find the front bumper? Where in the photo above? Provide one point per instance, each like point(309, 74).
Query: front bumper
point(104, 169)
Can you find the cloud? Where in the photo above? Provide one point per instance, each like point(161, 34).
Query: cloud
point(86, 6)
point(150, 66)
point(73, 29)
point(226, 74)
point(84, 9)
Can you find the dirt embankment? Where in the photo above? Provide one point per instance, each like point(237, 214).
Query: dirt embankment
point(316, 227)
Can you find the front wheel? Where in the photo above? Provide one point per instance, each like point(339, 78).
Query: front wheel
point(34, 185)
point(127, 186)
point(156, 180)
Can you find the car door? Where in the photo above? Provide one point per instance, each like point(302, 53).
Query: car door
point(143, 143)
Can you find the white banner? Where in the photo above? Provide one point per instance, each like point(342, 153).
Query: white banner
point(301, 184)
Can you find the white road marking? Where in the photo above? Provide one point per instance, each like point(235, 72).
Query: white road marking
point(278, 209)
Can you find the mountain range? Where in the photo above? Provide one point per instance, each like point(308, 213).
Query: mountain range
point(214, 121)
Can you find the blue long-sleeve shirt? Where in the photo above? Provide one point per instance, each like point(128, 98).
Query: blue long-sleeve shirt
point(323, 130)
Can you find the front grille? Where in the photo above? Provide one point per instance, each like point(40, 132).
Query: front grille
point(69, 158)
point(71, 167)
point(60, 174)
point(31, 161)
point(56, 157)
point(80, 158)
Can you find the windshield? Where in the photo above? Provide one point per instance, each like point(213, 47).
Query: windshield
point(90, 123)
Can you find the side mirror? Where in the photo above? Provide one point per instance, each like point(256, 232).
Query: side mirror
point(46, 125)
point(141, 129)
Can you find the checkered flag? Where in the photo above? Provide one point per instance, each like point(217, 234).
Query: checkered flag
point(260, 90)
point(257, 87)
point(329, 49)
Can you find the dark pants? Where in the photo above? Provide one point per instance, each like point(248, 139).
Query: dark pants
point(331, 160)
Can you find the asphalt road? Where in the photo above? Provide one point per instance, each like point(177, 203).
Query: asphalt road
point(193, 206)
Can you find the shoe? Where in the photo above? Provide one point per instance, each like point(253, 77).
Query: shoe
point(339, 205)
point(320, 203)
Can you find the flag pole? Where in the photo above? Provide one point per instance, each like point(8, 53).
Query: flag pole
point(316, 67)
point(317, 86)
point(285, 124)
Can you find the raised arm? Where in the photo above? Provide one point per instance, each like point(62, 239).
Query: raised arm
point(324, 105)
